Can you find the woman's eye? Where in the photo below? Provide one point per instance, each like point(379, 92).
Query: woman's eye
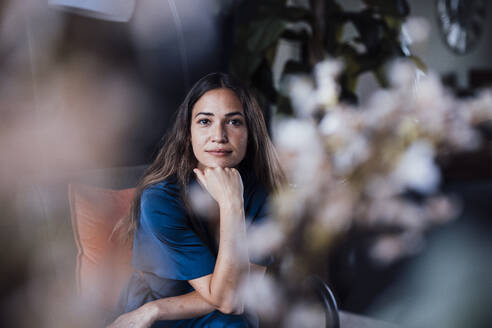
point(203, 121)
point(235, 122)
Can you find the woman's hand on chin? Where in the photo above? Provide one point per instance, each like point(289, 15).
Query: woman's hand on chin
point(143, 317)
point(224, 185)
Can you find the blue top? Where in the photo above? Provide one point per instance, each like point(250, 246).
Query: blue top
point(167, 252)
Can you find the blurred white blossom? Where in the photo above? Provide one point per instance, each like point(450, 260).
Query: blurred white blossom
point(381, 187)
point(403, 74)
point(386, 249)
point(416, 168)
point(354, 152)
point(431, 97)
point(462, 136)
point(261, 294)
point(382, 106)
point(305, 315)
point(417, 29)
point(354, 166)
point(202, 202)
point(440, 209)
point(300, 149)
point(335, 214)
point(394, 212)
point(393, 247)
point(264, 239)
point(478, 108)
point(327, 70)
point(331, 123)
point(302, 95)
point(327, 89)
point(307, 95)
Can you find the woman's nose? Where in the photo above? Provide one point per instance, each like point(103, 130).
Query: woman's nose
point(219, 134)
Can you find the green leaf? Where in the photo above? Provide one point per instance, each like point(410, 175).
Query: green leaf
point(271, 53)
point(333, 7)
point(265, 32)
point(300, 36)
point(347, 93)
point(295, 67)
point(420, 64)
point(393, 23)
point(334, 25)
point(371, 30)
point(350, 58)
point(352, 82)
point(368, 62)
point(244, 64)
point(381, 77)
point(284, 106)
point(399, 8)
point(262, 79)
point(295, 14)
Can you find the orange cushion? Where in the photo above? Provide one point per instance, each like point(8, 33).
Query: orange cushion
point(103, 264)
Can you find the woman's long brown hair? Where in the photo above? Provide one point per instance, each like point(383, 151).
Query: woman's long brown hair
point(176, 158)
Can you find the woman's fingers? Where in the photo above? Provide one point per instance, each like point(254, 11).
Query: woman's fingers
point(223, 184)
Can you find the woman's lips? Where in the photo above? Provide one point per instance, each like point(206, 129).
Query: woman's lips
point(219, 153)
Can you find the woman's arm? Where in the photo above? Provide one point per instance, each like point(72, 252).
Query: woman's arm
point(221, 287)
point(185, 306)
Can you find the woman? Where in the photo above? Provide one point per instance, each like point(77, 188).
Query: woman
point(184, 276)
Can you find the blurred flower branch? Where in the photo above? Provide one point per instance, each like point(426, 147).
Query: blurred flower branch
point(365, 179)
point(363, 172)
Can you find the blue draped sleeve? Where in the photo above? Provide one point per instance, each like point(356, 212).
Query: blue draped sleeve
point(170, 247)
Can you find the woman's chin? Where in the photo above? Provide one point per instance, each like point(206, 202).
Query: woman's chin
point(222, 164)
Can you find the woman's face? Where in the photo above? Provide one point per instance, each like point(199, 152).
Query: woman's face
point(219, 135)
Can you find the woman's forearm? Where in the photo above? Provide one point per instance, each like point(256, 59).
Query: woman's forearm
point(180, 307)
point(221, 287)
point(185, 306)
point(232, 259)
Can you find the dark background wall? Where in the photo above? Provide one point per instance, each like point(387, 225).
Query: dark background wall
point(79, 92)
point(164, 48)
point(438, 57)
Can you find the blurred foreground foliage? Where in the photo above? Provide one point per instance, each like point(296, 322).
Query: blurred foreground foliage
point(365, 182)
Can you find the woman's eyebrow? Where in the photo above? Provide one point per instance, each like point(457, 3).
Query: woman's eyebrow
point(234, 113)
point(204, 113)
point(227, 115)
